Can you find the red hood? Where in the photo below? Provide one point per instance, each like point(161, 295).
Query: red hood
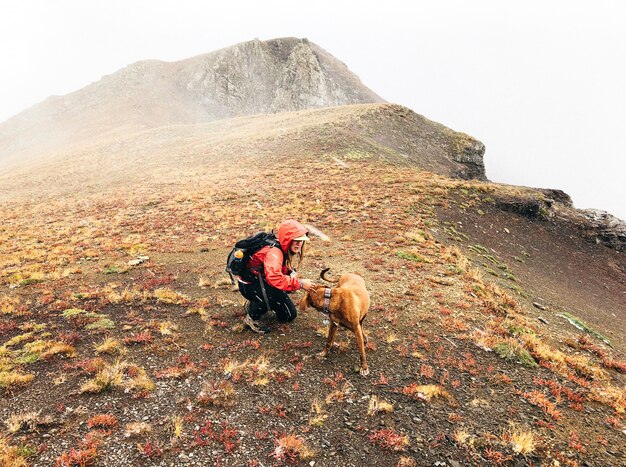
point(289, 230)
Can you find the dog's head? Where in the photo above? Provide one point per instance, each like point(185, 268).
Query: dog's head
point(313, 298)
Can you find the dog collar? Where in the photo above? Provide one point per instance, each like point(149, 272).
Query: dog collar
point(327, 294)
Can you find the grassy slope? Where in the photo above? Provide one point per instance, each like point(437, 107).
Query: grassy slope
point(200, 153)
point(458, 354)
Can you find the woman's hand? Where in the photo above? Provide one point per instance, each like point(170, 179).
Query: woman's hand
point(307, 284)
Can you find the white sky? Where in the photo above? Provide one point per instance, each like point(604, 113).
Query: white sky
point(540, 82)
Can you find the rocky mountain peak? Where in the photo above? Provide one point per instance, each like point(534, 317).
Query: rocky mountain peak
point(254, 77)
point(273, 76)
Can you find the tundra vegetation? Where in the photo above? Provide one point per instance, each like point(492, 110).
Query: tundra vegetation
point(108, 359)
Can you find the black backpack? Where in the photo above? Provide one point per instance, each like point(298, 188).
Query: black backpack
point(244, 249)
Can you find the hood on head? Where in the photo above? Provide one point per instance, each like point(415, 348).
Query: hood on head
point(289, 230)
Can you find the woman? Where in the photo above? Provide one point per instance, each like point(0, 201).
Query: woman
point(271, 274)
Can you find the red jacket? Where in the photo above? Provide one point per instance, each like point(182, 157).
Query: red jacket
point(272, 258)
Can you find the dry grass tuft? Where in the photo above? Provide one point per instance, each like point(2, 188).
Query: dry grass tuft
point(463, 438)
point(166, 295)
point(425, 392)
point(111, 346)
point(107, 378)
point(391, 338)
point(610, 395)
point(406, 462)
point(22, 421)
point(377, 406)
point(11, 379)
point(176, 425)
point(292, 448)
point(521, 441)
point(120, 373)
point(585, 367)
point(317, 414)
point(8, 305)
point(204, 282)
point(137, 429)
point(11, 456)
point(167, 328)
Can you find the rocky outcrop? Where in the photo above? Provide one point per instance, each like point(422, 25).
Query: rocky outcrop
point(553, 195)
point(273, 76)
point(468, 152)
point(602, 227)
point(471, 156)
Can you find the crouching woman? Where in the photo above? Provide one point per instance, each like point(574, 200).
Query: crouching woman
point(271, 274)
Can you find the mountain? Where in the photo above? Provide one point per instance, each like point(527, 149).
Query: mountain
point(152, 115)
point(249, 78)
point(496, 333)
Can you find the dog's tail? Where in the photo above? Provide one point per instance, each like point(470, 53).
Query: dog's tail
point(323, 276)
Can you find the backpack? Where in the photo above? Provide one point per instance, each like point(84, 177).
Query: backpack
point(244, 249)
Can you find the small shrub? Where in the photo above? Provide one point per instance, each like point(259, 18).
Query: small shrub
point(389, 439)
point(511, 350)
point(291, 448)
point(102, 421)
point(83, 456)
point(220, 394)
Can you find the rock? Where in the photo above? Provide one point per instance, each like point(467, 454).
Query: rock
point(539, 305)
point(556, 196)
point(530, 207)
point(138, 260)
point(605, 228)
point(469, 152)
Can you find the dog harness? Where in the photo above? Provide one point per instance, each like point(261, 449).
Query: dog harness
point(327, 294)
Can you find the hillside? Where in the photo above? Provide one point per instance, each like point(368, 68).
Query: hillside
point(254, 77)
point(496, 334)
point(190, 154)
point(148, 362)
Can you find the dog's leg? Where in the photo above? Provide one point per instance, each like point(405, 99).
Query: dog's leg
point(363, 331)
point(359, 334)
point(332, 332)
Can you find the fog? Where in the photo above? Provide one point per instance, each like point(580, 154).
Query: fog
point(540, 83)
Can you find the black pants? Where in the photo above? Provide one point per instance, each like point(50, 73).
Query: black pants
point(279, 301)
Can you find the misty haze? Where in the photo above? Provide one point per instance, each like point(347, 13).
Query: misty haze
point(124, 341)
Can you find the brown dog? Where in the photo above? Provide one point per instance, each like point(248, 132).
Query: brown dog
point(346, 305)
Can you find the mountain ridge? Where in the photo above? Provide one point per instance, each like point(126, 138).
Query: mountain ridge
point(245, 79)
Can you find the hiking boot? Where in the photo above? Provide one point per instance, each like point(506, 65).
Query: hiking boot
point(255, 325)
